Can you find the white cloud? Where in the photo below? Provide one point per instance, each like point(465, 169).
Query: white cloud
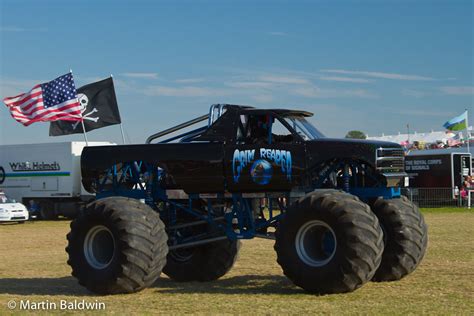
point(458, 90)
point(420, 112)
point(284, 79)
point(11, 29)
point(382, 75)
point(278, 33)
point(414, 93)
point(21, 29)
point(316, 92)
point(190, 80)
point(12, 87)
point(141, 75)
point(263, 98)
point(249, 84)
point(187, 91)
point(345, 79)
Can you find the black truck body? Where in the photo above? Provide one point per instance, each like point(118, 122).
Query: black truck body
point(215, 161)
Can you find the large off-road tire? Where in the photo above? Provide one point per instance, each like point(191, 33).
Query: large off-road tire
point(405, 238)
point(329, 242)
point(204, 263)
point(117, 245)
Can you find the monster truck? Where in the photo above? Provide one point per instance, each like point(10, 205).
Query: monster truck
point(181, 202)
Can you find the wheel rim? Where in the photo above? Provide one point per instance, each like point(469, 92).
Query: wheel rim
point(316, 243)
point(99, 247)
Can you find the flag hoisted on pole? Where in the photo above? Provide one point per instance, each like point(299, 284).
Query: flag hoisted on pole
point(50, 101)
point(458, 123)
point(99, 108)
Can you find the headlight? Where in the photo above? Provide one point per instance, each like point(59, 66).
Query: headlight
point(2, 210)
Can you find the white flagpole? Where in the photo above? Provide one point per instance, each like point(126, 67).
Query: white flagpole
point(121, 126)
point(467, 130)
point(123, 136)
point(84, 130)
point(82, 121)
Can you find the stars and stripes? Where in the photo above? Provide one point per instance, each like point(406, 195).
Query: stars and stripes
point(50, 101)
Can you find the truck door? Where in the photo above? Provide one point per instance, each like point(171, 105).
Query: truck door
point(266, 155)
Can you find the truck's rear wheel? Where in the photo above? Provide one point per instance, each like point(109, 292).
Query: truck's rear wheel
point(329, 242)
point(405, 238)
point(117, 245)
point(204, 263)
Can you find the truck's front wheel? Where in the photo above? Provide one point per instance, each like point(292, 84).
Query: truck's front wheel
point(329, 242)
point(405, 238)
point(117, 245)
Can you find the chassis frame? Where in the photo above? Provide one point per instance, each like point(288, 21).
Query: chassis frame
point(227, 215)
point(233, 215)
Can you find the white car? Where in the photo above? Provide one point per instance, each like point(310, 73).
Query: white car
point(11, 211)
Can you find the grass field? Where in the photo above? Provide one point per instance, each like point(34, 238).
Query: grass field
point(33, 267)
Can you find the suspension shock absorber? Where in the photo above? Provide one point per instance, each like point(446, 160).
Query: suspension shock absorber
point(346, 177)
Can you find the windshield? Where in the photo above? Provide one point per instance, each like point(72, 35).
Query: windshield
point(5, 199)
point(304, 128)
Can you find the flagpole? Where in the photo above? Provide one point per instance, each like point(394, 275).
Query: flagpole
point(84, 130)
point(121, 126)
point(82, 120)
point(408, 134)
point(123, 136)
point(467, 130)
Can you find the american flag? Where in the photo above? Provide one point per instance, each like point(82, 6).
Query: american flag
point(51, 101)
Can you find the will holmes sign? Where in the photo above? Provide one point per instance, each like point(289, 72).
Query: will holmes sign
point(34, 166)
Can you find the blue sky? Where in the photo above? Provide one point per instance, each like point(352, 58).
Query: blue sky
point(367, 65)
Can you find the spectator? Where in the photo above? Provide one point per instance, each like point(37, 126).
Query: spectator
point(467, 183)
point(3, 197)
point(467, 186)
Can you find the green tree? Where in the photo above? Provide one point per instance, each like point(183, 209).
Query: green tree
point(356, 135)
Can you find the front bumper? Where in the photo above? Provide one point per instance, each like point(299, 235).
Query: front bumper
point(390, 162)
point(14, 216)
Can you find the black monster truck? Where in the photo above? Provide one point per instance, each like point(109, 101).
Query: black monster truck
point(180, 203)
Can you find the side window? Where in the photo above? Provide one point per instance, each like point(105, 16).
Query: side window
point(281, 134)
point(254, 129)
point(242, 129)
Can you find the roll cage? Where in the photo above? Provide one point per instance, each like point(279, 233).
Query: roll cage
point(223, 121)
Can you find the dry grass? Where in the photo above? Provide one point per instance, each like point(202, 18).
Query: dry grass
point(33, 267)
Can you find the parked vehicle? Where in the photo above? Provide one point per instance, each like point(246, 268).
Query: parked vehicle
point(181, 205)
point(11, 210)
point(439, 168)
point(45, 177)
point(436, 176)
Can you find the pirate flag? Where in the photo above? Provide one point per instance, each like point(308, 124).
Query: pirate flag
point(98, 107)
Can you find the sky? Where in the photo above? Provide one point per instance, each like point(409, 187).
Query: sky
point(373, 66)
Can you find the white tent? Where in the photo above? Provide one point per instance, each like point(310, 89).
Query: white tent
point(427, 138)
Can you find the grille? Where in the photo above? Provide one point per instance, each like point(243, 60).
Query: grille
point(390, 160)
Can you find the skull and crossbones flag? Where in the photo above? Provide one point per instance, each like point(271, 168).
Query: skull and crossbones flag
point(98, 109)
